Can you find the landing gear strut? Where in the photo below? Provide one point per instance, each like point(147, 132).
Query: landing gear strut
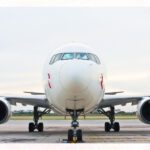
point(35, 125)
point(111, 115)
point(74, 135)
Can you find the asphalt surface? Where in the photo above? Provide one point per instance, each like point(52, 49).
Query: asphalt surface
point(55, 131)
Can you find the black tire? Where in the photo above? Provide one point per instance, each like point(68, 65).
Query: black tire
point(79, 135)
point(107, 126)
point(116, 127)
point(70, 135)
point(40, 127)
point(31, 127)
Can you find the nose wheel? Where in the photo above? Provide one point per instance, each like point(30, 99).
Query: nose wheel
point(70, 135)
point(79, 135)
point(74, 135)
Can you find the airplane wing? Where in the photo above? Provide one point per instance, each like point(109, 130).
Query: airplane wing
point(112, 100)
point(143, 105)
point(35, 100)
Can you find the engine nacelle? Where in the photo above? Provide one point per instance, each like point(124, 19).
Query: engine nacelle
point(5, 110)
point(143, 110)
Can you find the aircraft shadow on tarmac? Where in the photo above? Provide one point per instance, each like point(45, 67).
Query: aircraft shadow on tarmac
point(89, 136)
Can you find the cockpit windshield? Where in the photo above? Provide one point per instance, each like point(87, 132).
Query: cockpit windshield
point(67, 56)
point(79, 56)
point(82, 56)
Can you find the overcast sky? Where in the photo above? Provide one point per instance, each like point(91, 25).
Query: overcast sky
point(121, 35)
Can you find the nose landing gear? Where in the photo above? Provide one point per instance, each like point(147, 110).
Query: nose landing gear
point(74, 135)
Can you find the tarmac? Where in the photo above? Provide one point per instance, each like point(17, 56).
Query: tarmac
point(55, 131)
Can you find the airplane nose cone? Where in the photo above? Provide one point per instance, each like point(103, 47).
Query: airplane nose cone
point(75, 77)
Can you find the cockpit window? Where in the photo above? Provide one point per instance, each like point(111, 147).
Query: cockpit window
point(55, 58)
point(91, 57)
point(67, 56)
point(82, 56)
point(94, 58)
point(52, 60)
point(97, 59)
point(79, 56)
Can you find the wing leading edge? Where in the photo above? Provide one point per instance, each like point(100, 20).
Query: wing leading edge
point(35, 100)
point(120, 100)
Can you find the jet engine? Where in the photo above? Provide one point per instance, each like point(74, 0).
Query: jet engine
point(143, 110)
point(5, 110)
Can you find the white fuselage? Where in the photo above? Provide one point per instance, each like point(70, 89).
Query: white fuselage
point(73, 84)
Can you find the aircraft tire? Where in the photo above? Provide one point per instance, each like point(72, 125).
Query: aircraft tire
point(79, 135)
point(40, 127)
point(31, 127)
point(70, 135)
point(107, 126)
point(116, 127)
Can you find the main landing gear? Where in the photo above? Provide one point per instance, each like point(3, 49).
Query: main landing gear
point(74, 135)
point(112, 124)
point(35, 125)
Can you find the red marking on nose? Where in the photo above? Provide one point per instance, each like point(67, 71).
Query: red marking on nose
point(49, 76)
point(102, 81)
point(49, 85)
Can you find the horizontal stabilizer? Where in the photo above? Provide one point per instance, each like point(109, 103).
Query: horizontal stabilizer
point(35, 93)
point(113, 93)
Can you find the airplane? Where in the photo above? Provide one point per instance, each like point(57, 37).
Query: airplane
point(74, 84)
